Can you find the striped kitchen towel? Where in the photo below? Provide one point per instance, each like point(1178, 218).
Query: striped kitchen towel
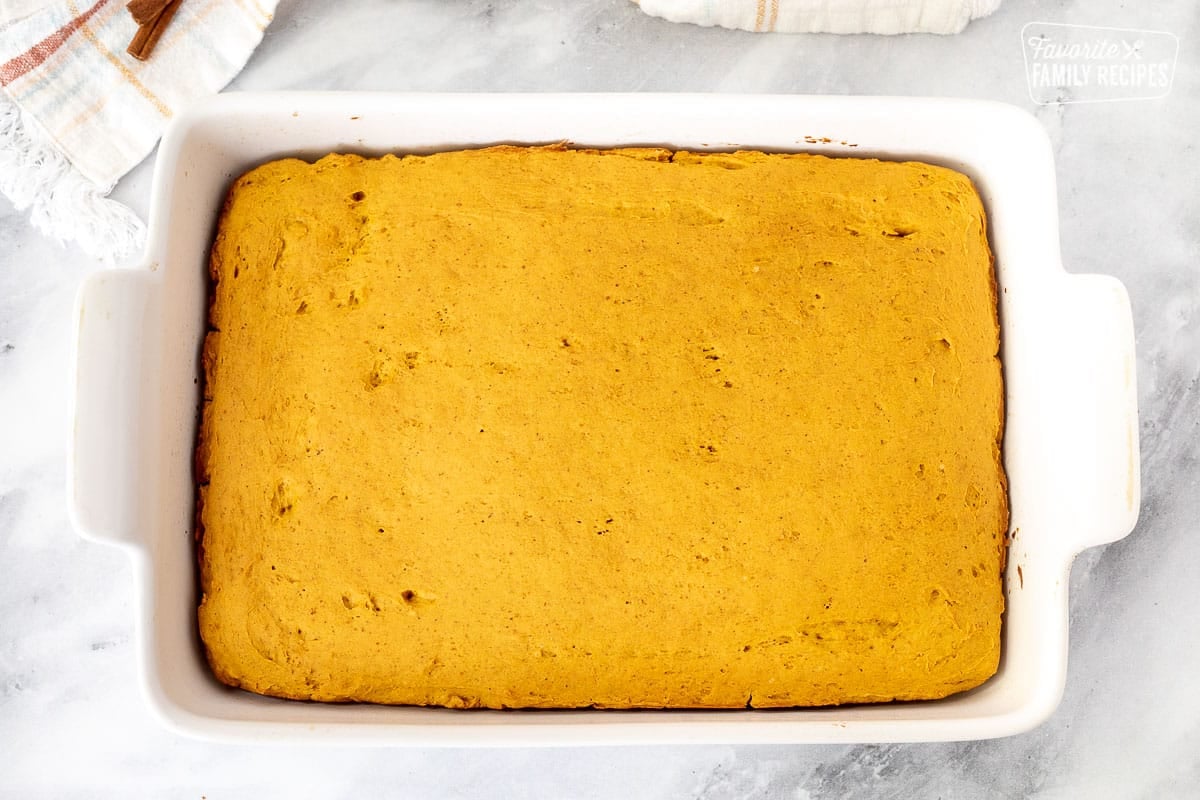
point(77, 112)
point(825, 16)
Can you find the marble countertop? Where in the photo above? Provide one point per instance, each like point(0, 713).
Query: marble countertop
point(72, 722)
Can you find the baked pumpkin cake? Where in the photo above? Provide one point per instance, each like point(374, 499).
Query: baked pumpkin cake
point(550, 427)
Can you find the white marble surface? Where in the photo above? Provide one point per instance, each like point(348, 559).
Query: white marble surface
point(72, 723)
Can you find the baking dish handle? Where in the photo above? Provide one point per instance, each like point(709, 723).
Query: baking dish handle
point(104, 474)
point(1103, 417)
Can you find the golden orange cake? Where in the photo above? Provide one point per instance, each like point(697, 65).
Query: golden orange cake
point(543, 427)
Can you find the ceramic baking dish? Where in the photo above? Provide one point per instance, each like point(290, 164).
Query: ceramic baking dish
point(1070, 448)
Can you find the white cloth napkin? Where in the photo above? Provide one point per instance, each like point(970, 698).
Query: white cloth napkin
point(825, 16)
point(77, 112)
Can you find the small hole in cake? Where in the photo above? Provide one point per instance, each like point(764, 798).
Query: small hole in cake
point(408, 595)
point(934, 596)
point(358, 197)
point(746, 649)
point(347, 602)
point(302, 308)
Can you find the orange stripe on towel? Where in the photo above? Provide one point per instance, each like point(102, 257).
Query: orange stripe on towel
point(126, 73)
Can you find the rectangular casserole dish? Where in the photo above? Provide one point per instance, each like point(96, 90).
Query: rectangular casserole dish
point(1070, 447)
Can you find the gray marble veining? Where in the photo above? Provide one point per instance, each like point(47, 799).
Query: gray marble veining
point(72, 723)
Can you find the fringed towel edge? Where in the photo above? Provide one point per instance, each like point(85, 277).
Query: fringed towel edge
point(62, 203)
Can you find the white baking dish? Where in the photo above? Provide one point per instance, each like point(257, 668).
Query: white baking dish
point(1070, 447)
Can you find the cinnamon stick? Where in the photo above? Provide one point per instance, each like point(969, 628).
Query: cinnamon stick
point(144, 11)
point(150, 24)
